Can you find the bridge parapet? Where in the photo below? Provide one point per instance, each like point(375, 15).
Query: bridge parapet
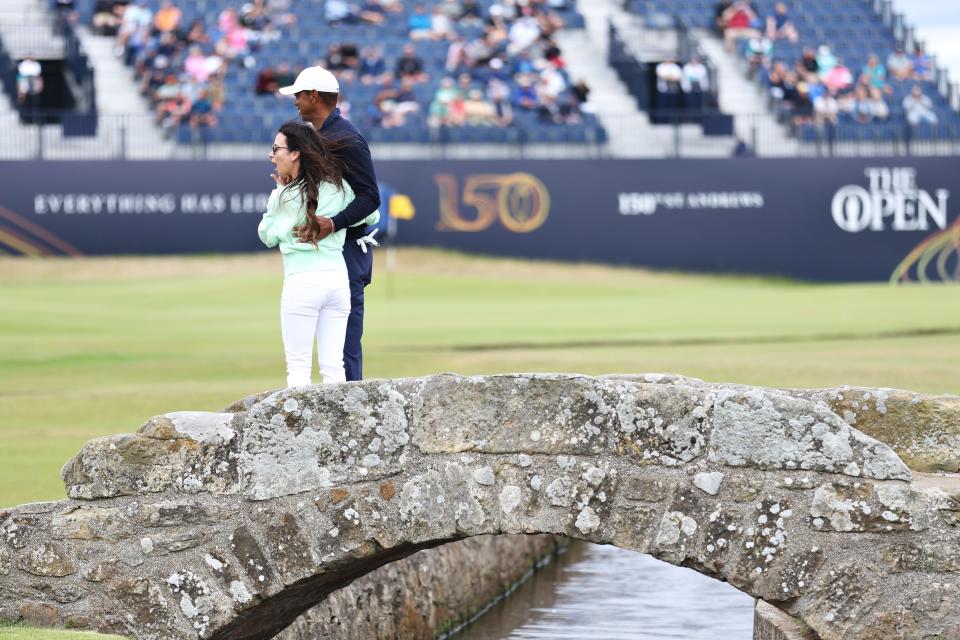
point(230, 525)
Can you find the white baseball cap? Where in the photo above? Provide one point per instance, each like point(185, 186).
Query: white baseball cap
point(313, 79)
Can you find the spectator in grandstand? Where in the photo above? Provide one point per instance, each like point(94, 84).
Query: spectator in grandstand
point(419, 23)
point(154, 75)
point(523, 33)
point(838, 78)
point(775, 79)
point(497, 32)
point(694, 83)
point(669, 77)
point(279, 12)
point(797, 101)
point(406, 101)
point(457, 57)
point(470, 14)
point(879, 110)
point(498, 93)
point(759, 53)
point(826, 60)
point(780, 26)
point(196, 65)
point(551, 81)
point(106, 17)
point(826, 108)
point(478, 111)
point(202, 116)
point(285, 75)
point(855, 104)
point(384, 102)
point(900, 65)
point(548, 21)
point(342, 61)
point(441, 27)
point(553, 54)
point(196, 34)
point(452, 9)
point(316, 92)
point(410, 65)
point(506, 9)
point(137, 18)
point(373, 68)
point(172, 106)
point(166, 48)
point(875, 72)
point(922, 64)
point(525, 97)
point(312, 185)
point(440, 105)
point(234, 41)
point(739, 21)
point(372, 12)
point(918, 107)
point(339, 11)
point(29, 82)
point(719, 9)
point(581, 91)
point(266, 82)
point(807, 62)
point(167, 18)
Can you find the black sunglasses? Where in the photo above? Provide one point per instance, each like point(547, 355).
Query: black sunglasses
point(275, 147)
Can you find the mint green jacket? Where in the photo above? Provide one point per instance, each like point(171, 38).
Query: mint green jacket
point(286, 210)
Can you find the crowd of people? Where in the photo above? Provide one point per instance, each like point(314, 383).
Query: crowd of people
point(820, 87)
point(498, 61)
point(181, 67)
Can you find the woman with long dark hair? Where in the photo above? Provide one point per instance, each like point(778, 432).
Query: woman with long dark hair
point(315, 302)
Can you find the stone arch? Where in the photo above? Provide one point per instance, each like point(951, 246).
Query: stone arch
point(229, 525)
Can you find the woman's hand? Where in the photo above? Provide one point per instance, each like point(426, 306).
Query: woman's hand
point(279, 180)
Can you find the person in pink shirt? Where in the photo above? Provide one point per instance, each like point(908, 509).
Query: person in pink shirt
point(838, 78)
point(196, 65)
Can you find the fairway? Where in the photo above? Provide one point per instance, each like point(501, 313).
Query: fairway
point(96, 346)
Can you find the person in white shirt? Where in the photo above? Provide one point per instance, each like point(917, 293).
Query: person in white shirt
point(695, 82)
point(918, 107)
point(29, 82)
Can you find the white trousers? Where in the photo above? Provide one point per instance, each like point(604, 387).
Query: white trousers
point(314, 306)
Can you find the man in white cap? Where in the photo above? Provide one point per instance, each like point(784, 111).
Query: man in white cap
point(316, 92)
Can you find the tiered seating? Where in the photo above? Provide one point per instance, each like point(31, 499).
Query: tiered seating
point(853, 31)
point(247, 117)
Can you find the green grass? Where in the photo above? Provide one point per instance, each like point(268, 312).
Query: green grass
point(97, 346)
point(17, 632)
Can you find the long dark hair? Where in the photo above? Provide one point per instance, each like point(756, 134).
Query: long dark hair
point(319, 162)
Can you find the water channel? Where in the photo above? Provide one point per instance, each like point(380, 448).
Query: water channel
point(600, 592)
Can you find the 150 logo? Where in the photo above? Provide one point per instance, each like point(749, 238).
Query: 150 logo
point(518, 200)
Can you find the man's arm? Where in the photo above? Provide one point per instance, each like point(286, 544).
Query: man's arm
point(362, 178)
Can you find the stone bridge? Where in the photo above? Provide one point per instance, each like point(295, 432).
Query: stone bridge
point(230, 525)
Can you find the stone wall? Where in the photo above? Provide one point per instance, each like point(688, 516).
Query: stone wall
point(430, 591)
point(769, 623)
point(231, 525)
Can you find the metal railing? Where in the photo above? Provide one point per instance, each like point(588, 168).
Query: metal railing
point(681, 134)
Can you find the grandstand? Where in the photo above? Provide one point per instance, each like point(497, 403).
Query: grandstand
point(484, 78)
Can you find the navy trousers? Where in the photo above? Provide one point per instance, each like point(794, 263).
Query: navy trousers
point(360, 272)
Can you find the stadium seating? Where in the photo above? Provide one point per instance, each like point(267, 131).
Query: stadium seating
point(247, 117)
point(853, 30)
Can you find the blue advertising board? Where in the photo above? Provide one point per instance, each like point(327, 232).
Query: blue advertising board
point(820, 219)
